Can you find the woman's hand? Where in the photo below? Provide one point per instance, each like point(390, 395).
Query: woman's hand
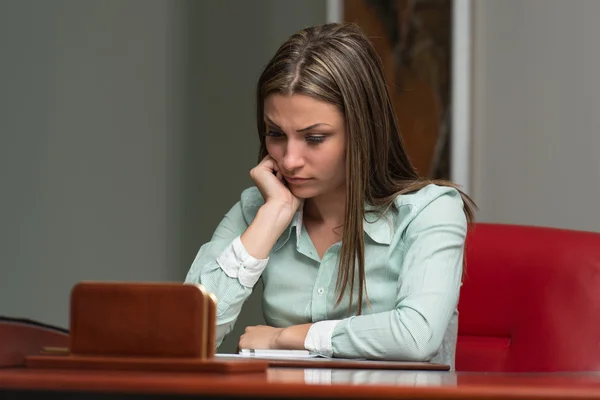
point(275, 215)
point(267, 337)
point(259, 337)
point(271, 184)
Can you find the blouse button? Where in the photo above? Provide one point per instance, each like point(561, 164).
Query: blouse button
point(320, 290)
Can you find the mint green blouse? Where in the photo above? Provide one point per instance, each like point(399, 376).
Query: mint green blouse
point(413, 264)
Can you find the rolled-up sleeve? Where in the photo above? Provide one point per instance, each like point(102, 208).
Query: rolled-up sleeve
point(237, 263)
point(318, 338)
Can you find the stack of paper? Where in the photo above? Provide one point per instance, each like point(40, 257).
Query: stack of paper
point(276, 354)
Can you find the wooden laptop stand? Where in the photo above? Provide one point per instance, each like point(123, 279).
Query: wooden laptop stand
point(143, 326)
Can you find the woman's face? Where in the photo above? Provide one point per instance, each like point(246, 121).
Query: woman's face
point(307, 139)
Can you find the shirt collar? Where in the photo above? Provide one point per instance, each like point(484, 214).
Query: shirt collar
point(378, 227)
point(297, 224)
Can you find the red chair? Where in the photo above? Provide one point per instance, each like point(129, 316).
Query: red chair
point(530, 300)
point(22, 337)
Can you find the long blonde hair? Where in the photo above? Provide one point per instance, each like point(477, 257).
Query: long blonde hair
point(338, 64)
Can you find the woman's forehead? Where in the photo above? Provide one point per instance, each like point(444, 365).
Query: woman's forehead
point(300, 109)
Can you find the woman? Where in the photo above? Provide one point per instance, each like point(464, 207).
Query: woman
point(360, 258)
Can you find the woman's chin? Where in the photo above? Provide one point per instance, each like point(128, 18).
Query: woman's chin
point(307, 191)
point(303, 193)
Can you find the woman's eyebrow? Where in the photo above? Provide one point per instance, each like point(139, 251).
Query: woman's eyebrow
point(308, 128)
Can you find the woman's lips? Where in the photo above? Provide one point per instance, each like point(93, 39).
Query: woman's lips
point(296, 181)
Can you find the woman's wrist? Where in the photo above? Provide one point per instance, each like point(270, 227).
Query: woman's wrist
point(270, 222)
point(280, 213)
point(292, 338)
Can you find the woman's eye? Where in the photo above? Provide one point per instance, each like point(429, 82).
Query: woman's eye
point(315, 139)
point(311, 139)
point(274, 134)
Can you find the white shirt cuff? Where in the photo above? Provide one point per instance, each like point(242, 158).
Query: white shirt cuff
point(318, 339)
point(237, 263)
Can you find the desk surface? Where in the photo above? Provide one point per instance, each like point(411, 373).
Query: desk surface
point(304, 383)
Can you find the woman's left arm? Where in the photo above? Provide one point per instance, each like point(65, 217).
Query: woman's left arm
point(428, 291)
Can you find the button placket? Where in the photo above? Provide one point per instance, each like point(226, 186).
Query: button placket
point(319, 301)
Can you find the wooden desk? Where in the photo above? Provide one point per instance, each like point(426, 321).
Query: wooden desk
point(21, 383)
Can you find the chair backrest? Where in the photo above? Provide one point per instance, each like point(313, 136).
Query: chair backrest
point(530, 300)
point(22, 337)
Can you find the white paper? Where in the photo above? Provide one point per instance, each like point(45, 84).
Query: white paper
point(280, 354)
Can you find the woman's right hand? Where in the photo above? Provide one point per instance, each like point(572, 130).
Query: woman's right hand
point(275, 215)
point(270, 182)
